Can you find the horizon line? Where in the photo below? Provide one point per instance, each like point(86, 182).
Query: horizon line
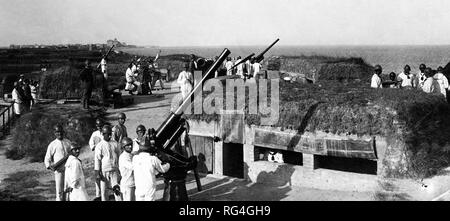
point(249, 45)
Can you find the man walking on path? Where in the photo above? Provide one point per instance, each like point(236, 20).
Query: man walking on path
point(185, 80)
point(75, 183)
point(107, 163)
point(120, 131)
point(126, 171)
point(56, 151)
point(87, 84)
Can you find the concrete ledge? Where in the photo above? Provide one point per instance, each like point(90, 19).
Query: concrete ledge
point(282, 174)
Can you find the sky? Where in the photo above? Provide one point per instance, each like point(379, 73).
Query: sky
point(226, 22)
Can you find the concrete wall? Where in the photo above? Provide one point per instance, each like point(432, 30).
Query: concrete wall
point(312, 176)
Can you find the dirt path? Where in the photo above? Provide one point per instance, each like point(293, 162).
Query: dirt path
point(21, 179)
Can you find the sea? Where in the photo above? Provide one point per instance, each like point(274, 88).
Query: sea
point(391, 58)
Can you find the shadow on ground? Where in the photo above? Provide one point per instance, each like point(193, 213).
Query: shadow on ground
point(139, 99)
point(389, 192)
point(242, 190)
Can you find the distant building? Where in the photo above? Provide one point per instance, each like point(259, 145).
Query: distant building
point(116, 43)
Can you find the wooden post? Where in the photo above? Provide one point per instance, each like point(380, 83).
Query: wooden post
point(9, 118)
point(218, 158)
point(4, 125)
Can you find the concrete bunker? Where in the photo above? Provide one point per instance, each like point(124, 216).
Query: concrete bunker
point(344, 136)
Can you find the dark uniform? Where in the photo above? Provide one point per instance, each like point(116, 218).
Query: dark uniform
point(146, 79)
point(87, 84)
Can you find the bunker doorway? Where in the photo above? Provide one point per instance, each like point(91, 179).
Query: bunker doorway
point(233, 160)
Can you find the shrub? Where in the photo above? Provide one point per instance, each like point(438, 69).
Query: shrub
point(33, 131)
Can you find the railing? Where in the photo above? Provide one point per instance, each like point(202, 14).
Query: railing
point(7, 115)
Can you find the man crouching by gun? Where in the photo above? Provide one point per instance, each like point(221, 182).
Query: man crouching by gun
point(58, 151)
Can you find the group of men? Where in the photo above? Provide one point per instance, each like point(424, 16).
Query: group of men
point(248, 69)
point(142, 75)
point(24, 95)
point(124, 166)
point(426, 80)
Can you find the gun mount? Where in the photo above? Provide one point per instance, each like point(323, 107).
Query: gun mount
point(169, 133)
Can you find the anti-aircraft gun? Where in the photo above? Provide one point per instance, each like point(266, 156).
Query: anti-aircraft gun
point(260, 56)
point(168, 134)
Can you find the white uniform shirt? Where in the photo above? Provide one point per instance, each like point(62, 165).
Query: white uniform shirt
point(17, 101)
point(376, 81)
point(96, 137)
point(74, 178)
point(185, 80)
point(228, 66)
point(406, 79)
point(146, 167)
point(126, 169)
point(56, 150)
point(421, 78)
point(134, 68)
point(256, 68)
point(239, 68)
point(107, 156)
point(430, 85)
point(135, 145)
point(15, 96)
point(103, 65)
point(443, 83)
point(129, 76)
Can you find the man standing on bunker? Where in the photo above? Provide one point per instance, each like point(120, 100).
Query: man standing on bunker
point(376, 80)
point(406, 78)
point(442, 80)
point(421, 77)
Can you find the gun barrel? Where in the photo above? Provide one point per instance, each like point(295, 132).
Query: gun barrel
point(170, 125)
point(268, 48)
point(261, 55)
